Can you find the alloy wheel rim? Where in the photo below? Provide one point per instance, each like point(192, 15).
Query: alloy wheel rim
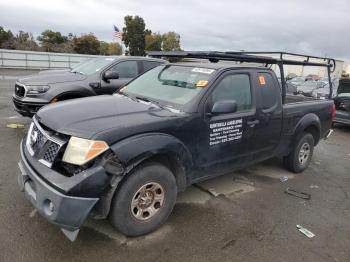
point(304, 153)
point(147, 201)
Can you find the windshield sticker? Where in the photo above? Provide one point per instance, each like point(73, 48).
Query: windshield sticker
point(203, 70)
point(262, 81)
point(226, 131)
point(109, 59)
point(202, 83)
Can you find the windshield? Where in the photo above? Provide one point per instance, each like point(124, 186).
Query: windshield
point(170, 84)
point(92, 66)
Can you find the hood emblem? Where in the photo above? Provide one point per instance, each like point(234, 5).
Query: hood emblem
point(33, 137)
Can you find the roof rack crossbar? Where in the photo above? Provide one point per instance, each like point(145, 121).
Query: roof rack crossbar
point(250, 57)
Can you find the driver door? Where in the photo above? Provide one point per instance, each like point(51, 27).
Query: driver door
point(227, 139)
point(127, 71)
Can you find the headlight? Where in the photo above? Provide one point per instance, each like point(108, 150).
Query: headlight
point(80, 151)
point(34, 90)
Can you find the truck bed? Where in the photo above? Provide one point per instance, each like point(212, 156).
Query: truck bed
point(297, 107)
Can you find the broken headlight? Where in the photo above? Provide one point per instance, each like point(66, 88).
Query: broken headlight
point(80, 151)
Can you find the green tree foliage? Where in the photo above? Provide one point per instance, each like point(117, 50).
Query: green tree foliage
point(5, 37)
point(24, 41)
point(52, 41)
point(134, 35)
point(115, 49)
point(110, 48)
point(104, 46)
point(171, 42)
point(87, 44)
point(136, 38)
point(153, 41)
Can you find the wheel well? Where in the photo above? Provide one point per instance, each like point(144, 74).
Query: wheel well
point(174, 166)
point(67, 96)
point(314, 131)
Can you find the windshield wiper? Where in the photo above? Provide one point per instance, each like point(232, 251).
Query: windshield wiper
point(145, 99)
point(77, 72)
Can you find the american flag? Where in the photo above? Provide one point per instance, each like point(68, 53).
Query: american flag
point(117, 33)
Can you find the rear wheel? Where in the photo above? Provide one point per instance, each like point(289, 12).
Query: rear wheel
point(144, 200)
point(300, 156)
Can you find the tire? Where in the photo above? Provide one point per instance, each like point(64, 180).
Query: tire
point(303, 148)
point(150, 185)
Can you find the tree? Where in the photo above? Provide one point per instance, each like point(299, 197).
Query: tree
point(115, 49)
point(104, 46)
point(153, 41)
point(51, 41)
point(110, 48)
point(87, 44)
point(24, 41)
point(5, 37)
point(134, 35)
point(171, 42)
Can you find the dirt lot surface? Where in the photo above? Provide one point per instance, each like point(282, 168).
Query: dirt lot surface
point(243, 216)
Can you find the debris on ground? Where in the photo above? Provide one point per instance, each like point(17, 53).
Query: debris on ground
point(13, 125)
point(243, 180)
point(283, 178)
point(295, 193)
point(305, 231)
point(314, 186)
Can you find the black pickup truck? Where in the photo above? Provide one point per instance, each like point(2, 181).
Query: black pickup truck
point(126, 156)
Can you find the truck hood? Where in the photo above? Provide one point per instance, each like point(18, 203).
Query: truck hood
point(53, 78)
point(109, 118)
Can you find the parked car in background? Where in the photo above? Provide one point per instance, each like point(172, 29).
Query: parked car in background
point(308, 87)
point(342, 102)
point(291, 88)
point(312, 77)
point(290, 76)
point(297, 81)
point(103, 75)
point(63, 70)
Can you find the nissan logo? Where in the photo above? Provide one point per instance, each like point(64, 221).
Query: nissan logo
point(33, 137)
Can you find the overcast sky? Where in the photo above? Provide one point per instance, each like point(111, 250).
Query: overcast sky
point(319, 27)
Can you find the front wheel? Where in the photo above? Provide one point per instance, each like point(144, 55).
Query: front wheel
point(300, 156)
point(144, 200)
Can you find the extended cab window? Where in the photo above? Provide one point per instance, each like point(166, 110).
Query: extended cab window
point(267, 90)
point(234, 87)
point(148, 65)
point(126, 69)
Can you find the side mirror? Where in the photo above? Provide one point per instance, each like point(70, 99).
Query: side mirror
point(224, 107)
point(110, 75)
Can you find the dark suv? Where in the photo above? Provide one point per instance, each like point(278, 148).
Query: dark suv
point(103, 75)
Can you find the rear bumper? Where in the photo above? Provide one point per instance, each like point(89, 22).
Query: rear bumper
point(68, 212)
point(26, 108)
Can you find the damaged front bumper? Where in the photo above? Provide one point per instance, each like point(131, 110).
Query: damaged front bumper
point(68, 212)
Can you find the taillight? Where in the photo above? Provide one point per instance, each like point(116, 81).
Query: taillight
point(333, 110)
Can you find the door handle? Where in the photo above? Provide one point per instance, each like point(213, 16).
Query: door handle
point(252, 123)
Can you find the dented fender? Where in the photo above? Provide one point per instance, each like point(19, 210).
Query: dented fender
point(137, 148)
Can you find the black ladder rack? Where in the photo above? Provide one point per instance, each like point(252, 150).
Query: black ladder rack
point(255, 57)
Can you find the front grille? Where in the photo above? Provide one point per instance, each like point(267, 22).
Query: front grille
point(51, 152)
point(42, 145)
point(19, 90)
